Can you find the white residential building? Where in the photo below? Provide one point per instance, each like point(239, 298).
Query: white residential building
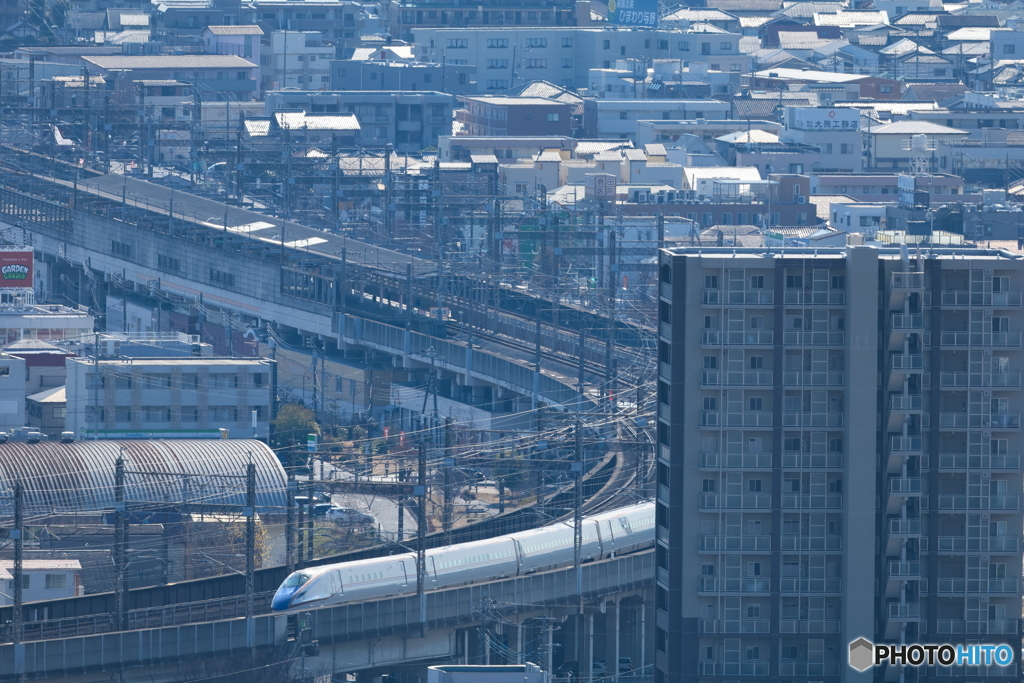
point(49, 579)
point(297, 59)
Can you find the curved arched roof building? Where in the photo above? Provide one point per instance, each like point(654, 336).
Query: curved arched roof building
point(69, 478)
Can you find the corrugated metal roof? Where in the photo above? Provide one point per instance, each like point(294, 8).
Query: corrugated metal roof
point(300, 120)
point(242, 30)
point(79, 476)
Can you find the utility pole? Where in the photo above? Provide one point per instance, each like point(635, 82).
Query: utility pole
point(17, 626)
point(300, 533)
point(401, 519)
point(309, 519)
point(449, 463)
point(250, 551)
point(120, 546)
point(421, 533)
point(290, 527)
point(577, 537)
point(609, 342)
point(388, 225)
point(96, 387)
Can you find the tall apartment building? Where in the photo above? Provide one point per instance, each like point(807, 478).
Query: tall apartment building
point(839, 457)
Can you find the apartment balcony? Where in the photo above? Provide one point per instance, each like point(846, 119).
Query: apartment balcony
point(955, 298)
point(734, 626)
point(713, 584)
point(808, 668)
point(979, 586)
point(796, 501)
point(979, 421)
point(710, 668)
point(995, 340)
point(665, 330)
point(811, 338)
point(748, 378)
point(812, 419)
point(735, 501)
point(813, 379)
point(793, 626)
point(905, 403)
point(952, 462)
point(900, 529)
point(897, 573)
point(792, 584)
point(900, 448)
point(907, 322)
point(952, 503)
point(735, 338)
point(806, 297)
point(906, 362)
point(899, 489)
point(813, 460)
point(747, 543)
point(962, 627)
point(753, 297)
point(906, 282)
point(739, 461)
point(987, 544)
point(811, 543)
point(960, 298)
point(980, 380)
point(903, 611)
point(750, 418)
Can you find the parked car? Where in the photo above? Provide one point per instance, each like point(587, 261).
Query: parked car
point(349, 516)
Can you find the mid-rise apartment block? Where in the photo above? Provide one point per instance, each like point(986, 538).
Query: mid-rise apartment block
point(839, 457)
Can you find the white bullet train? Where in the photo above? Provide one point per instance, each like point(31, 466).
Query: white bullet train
point(616, 532)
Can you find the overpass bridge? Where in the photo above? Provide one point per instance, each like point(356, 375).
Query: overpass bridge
point(376, 636)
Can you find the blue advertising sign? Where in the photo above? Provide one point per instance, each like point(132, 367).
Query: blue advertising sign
point(633, 13)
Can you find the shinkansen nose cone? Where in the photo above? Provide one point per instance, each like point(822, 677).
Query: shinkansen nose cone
point(287, 590)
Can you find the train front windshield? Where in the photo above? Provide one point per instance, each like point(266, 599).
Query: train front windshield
point(296, 580)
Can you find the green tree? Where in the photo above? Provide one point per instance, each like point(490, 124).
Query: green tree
point(292, 425)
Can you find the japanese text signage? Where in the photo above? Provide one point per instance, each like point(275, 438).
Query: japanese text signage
point(845, 118)
point(633, 13)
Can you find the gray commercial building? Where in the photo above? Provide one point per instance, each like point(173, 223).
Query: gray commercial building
point(839, 440)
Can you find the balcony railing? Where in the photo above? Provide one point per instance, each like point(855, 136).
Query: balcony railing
point(905, 568)
point(989, 380)
point(979, 420)
point(743, 461)
point(752, 418)
point(963, 461)
point(734, 626)
point(753, 297)
point(808, 668)
point(904, 610)
point(904, 527)
point(981, 339)
point(737, 338)
point(903, 402)
point(749, 378)
point(820, 543)
point(803, 297)
point(907, 321)
point(959, 626)
point(985, 544)
point(712, 584)
point(735, 501)
point(963, 502)
point(904, 485)
point(828, 460)
point(905, 443)
point(831, 501)
point(788, 626)
point(955, 297)
point(907, 361)
point(907, 281)
point(746, 543)
point(986, 586)
point(813, 379)
point(809, 338)
point(812, 419)
point(792, 584)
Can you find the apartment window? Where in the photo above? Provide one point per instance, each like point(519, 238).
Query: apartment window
point(622, 50)
point(753, 569)
point(710, 362)
point(792, 485)
point(726, 218)
point(711, 282)
point(995, 571)
point(647, 45)
point(835, 486)
point(835, 445)
point(838, 282)
point(566, 63)
point(757, 322)
point(753, 611)
point(497, 63)
point(1009, 49)
point(566, 42)
point(757, 281)
point(457, 43)
point(885, 89)
point(684, 46)
point(754, 485)
point(756, 403)
point(497, 42)
point(553, 116)
point(623, 115)
point(710, 403)
point(726, 45)
point(536, 63)
point(707, 569)
point(60, 581)
point(735, 68)
point(662, 44)
point(607, 44)
point(536, 42)
point(794, 281)
point(708, 219)
point(757, 362)
point(495, 84)
point(790, 652)
point(708, 485)
point(741, 219)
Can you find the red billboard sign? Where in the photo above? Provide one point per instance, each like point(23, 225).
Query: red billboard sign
point(16, 269)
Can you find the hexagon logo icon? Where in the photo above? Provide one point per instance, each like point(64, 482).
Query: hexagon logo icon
point(862, 654)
